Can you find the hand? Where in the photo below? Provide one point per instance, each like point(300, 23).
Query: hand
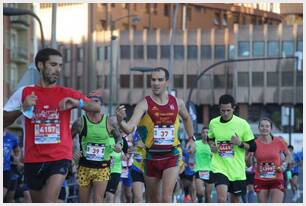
point(190, 146)
point(76, 156)
point(68, 103)
point(236, 139)
point(29, 101)
point(120, 113)
point(213, 147)
point(117, 147)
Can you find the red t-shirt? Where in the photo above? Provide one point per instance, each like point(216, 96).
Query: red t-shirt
point(47, 135)
point(268, 158)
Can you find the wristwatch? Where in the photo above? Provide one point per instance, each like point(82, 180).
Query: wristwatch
point(192, 137)
point(241, 145)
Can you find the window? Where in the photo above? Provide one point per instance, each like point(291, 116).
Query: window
point(272, 79)
point(125, 52)
point(257, 79)
point(80, 54)
point(219, 81)
point(179, 52)
point(99, 81)
point(103, 24)
point(217, 19)
point(167, 9)
point(243, 79)
point(219, 51)
point(236, 18)
point(299, 79)
point(106, 52)
point(190, 80)
point(106, 82)
point(205, 52)
point(273, 48)
point(147, 8)
point(155, 9)
point(152, 52)
point(287, 48)
point(243, 49)
point(79, 82)
point(258, 48)
point(178, 81)
point(164, 51)
point(287, 79)
point(138, 81)
point(138, 51)
point(254, 20)
point(67, 54)
point(99, 53)
point(125, 81)
point(192, 52)
point(189, 13)
point(231, 51)
point(149, 81)
point(300, 46)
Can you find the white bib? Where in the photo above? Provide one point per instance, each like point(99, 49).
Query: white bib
point(163, 135)
point(95, 152)
point(47, 132)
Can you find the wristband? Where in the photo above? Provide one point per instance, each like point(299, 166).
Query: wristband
point(192, 137)
point(81, 104)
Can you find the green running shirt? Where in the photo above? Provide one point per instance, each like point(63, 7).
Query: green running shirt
point(230, 159)
point(202, 156)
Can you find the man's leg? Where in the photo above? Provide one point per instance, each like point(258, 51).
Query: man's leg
point(208, 189)
point(168, 181)
point(221, 193)
point(200, 189)
point(99, 190)
point(152, 187)
point(137, 191)
point(276, 196)
point(263, 196)
point(84, 193)
point(52, 188)
point(4, 192)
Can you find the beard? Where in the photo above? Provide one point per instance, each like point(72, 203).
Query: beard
point(49, 78)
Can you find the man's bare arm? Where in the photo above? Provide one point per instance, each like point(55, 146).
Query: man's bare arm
point(129, 126)
point(10, 117)
point(186, 118)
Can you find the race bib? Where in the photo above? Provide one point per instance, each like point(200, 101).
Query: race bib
point(225, 149)
point(95, 152)
point(267, 170)
point(47, 132)
point(125, 172)
point(163, 135)
point(204, 175)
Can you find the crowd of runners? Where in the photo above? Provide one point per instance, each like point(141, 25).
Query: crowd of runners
point(144, 157)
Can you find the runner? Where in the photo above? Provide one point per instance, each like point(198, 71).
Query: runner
point(10, 146)
point(295, 165)
point(269, 180)
point(137, 169)
point(230, 137)
point(95, 133)
point(115, 170)
point(46, 108)
point(203, 167)
point(157, 117)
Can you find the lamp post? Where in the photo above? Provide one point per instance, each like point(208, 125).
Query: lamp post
point(135, 20)
point(7, 11)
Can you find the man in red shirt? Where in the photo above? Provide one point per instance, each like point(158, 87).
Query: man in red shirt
point(46, 108)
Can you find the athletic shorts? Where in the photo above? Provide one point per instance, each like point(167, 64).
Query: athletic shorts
point(7, 179)
point(87, 175)
point(249, 178)
point(269, 184)
point(113, 183)
point(137, 176)
point(295, 174)
point(155, 167)
point(36, 174)
point(236, 188)
point(209, 181)
point(188, 177)
point(127, 181)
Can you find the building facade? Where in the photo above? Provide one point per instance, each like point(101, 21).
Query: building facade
point(18, 38)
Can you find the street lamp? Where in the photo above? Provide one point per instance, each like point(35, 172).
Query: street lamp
point(134, 19)
point(7, 11)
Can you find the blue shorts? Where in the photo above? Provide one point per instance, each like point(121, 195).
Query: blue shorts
point(127, 181)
